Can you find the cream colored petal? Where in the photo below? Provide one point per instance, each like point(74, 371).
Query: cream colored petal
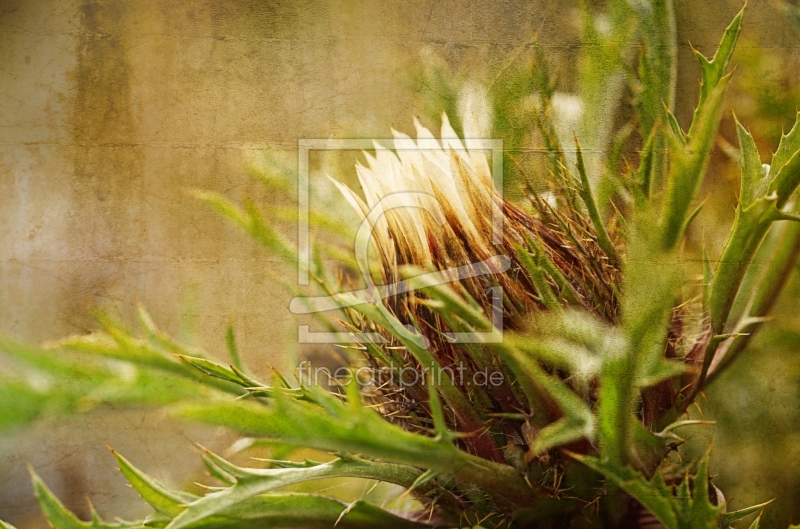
point(369, 185)
point(425, 139)
point(410, 157)
point(450, 139)
point(352, 198)
point(470, 215)
point(380, 231)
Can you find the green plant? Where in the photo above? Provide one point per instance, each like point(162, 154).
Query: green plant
point(605, 344)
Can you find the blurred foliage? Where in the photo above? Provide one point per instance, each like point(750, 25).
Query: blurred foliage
point(618, 347)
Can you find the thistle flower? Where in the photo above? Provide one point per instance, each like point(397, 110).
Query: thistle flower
point(451, 219)
point(431, 205)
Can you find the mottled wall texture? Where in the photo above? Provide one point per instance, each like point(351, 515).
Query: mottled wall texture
point(111, 110)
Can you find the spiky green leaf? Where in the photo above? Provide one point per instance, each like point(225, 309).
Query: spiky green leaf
point(685, 506)
point(309, 511)
point(60, 517)
point(689, 161)
point(729, 517)
point(160, 497)
point(587, 196)
point(714, 70)
point(333, 428)
point(577, 421)
point(252, 482)
point(788, 146)
point(754, 176)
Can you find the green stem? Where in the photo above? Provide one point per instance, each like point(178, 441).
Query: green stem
point(765, 295)
point(616, 409)
point(736, 257)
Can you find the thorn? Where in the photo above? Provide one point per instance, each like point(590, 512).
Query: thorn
point(206, 487)
point(345, 511)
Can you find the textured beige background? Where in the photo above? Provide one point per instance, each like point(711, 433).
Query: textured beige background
point(110, 110)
